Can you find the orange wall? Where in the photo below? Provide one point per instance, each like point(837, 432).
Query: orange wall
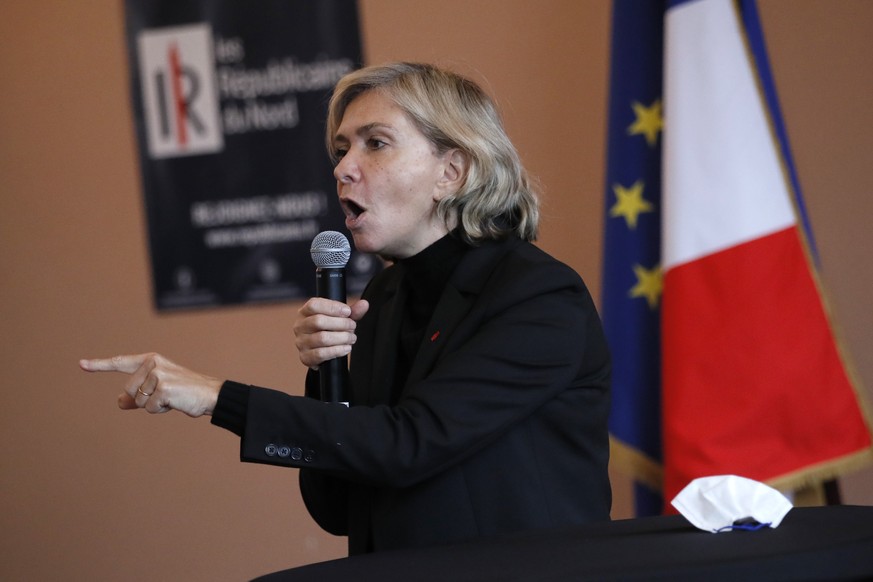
point(92, 493)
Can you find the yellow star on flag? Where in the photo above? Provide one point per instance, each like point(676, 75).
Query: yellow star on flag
point(630, 203)
point(650, 284)
point(648, 122)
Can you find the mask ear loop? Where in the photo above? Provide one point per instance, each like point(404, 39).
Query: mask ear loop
point(744, 525)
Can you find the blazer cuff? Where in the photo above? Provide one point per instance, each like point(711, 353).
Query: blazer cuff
point(232, 407)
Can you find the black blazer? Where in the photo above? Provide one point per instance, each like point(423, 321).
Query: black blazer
point(500, 427)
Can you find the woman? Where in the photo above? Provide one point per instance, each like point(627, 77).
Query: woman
point(479, 373)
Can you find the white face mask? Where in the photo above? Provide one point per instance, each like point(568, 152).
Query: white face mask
point(727, 502)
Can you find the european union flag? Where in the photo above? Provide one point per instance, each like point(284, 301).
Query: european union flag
point(632, 279)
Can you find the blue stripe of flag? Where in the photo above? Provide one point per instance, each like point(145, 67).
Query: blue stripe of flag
point(632, 326)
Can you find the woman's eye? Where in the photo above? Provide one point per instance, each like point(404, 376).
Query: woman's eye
point(375, 143)
point(339, 153)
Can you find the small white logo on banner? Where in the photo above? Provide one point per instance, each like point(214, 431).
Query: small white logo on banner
point(180, 97)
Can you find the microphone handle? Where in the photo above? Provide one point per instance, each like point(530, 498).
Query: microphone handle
point(333, 378)
point(330, 283)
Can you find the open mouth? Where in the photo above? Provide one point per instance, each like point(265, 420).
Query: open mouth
point(352, 209)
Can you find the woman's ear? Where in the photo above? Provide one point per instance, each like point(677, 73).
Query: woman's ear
point(454, 173)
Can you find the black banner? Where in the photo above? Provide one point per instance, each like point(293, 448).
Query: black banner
point(230, 100)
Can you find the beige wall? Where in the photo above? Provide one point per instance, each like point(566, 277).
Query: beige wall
point(92, 493)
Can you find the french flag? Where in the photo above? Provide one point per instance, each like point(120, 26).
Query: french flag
point(754, 380)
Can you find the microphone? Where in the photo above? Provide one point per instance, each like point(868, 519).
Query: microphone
point(330, 252)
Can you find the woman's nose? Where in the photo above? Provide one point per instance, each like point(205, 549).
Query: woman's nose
point(346, 170)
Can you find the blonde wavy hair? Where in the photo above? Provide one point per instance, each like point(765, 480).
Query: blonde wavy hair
point(452, 112)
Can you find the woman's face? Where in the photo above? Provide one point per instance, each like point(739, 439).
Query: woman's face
point(389, 178)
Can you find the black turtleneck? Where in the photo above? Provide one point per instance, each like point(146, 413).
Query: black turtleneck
point(424, 277)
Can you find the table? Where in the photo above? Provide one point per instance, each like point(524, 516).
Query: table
point(812, 543)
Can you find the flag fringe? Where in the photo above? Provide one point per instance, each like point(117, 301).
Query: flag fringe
point(824, 471)
point(650, 473)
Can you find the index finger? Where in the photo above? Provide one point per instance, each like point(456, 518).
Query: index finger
point(126, 364)
point(324, 306)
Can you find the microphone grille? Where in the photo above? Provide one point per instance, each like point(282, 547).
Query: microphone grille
point(330, 250)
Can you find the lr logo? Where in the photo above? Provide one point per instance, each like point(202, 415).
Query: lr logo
point(177, 72)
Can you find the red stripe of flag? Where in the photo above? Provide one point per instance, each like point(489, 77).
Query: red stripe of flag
point(753, 380)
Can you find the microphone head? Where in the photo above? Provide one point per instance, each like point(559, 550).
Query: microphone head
point(330, 250)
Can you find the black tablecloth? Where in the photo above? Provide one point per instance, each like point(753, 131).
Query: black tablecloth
point(812, 543)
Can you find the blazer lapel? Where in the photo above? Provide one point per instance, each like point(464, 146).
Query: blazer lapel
point(461, 292)
point(450, 311)
point(386, 343)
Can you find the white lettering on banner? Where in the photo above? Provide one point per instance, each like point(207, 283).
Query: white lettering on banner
point(247, 236)
point(261, 115)
point(293, 206)
point(281, 77)
point(249, 95)
point(179, 94)
point(229, 50)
